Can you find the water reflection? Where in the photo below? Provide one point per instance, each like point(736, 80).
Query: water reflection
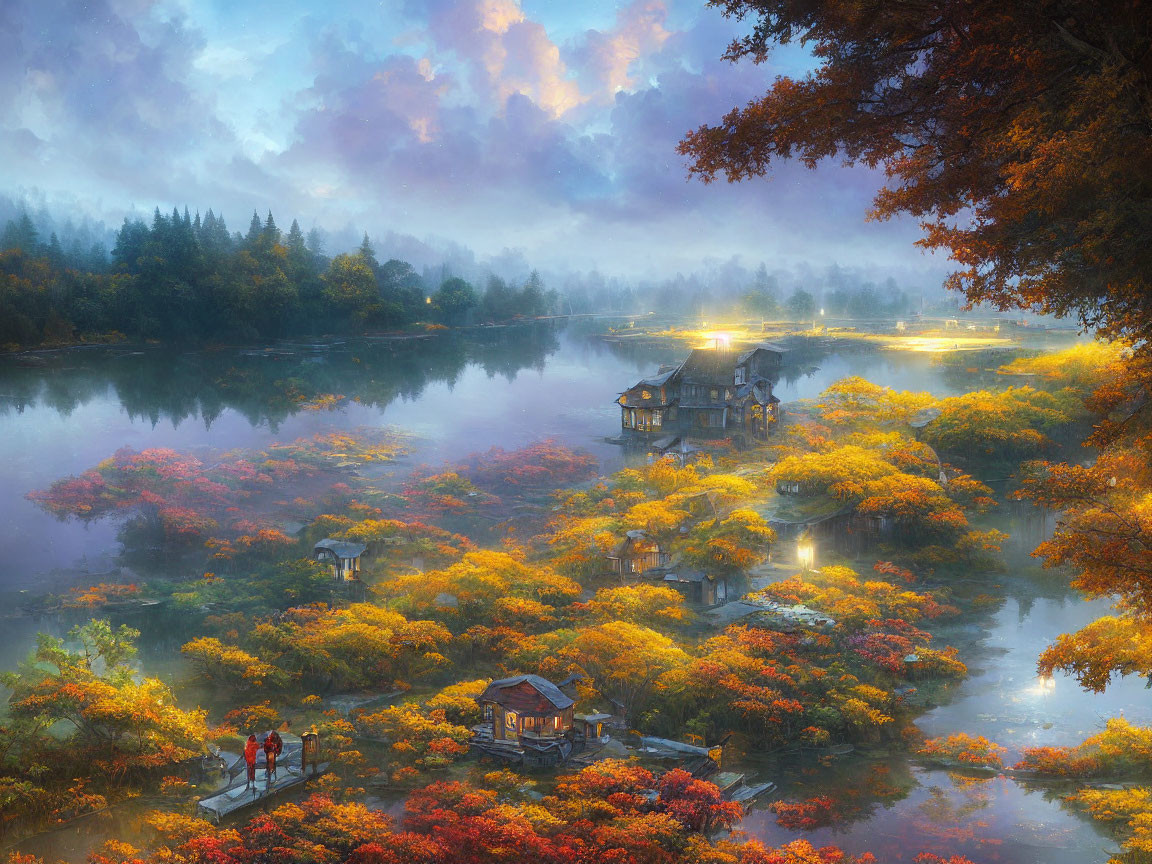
point(62, 412)
point(990, 820)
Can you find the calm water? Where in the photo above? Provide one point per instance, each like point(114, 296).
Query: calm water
point(62, 412)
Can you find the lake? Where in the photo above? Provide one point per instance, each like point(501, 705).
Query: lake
point(63, 411)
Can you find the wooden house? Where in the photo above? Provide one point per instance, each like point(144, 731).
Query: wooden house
point(343, 556)
point(637, 554)
point(589, 728)
point(527, 719)
point(699, 588)
point(714, 393)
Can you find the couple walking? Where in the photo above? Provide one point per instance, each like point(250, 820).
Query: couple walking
point(272, 746)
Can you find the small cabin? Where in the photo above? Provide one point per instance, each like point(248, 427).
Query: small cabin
point(343, 556)
point(699, 588)
point(637, 554)
point(526, 704)
point(589, 728)
point(529, 713)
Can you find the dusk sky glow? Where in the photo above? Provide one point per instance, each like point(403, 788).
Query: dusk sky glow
point(543, 127)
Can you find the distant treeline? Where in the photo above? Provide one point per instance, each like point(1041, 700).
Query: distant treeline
point(188, 278)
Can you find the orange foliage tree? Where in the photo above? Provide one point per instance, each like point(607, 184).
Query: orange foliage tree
point(981, 121)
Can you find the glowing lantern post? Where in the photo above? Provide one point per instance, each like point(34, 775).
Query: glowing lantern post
point(310, 750)
point(805, 553)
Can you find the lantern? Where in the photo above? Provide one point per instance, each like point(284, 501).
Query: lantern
point(805, 553)
point(309, 750)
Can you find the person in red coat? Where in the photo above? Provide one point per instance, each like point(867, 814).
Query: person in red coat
point(251, 750)
point(273, 747)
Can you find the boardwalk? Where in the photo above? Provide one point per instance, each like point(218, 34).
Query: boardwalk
point(237, 797)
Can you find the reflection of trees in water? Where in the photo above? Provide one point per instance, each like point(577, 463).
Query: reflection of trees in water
point(952, 814)
point(267, 385)
point(858, 786)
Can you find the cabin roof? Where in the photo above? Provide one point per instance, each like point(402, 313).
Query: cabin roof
point(686, 575)
point(342, 548)
point(658, 379)
point(762, 346)
point(632, 398)
point(527, 694)
point(631, 538)
point(710, 366)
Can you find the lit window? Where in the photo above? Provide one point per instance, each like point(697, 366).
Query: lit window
point(644, 394)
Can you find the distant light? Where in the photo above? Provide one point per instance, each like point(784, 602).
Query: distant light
point(821, 312)
point(805, 554)
point(719, 340)
point(428, 300)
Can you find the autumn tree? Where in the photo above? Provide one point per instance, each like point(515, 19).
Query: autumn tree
point(739, 540)
point(624, 662)
point(418, 738)
point(1008, 426)
point(115, 719)
point(644, 604)
point(471, 590)
point(854, 400)
point(982, 120)
point(1104, 532)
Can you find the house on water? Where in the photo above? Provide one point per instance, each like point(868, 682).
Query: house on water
point(343, 556)
point(527, 719)
point(714, 393)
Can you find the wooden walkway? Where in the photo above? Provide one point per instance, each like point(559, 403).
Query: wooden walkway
point(238, 795)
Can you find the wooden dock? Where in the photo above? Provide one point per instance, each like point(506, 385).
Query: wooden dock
point(237, 795)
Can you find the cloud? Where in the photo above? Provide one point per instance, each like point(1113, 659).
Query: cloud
point(470, 119)
point(605, 58)
point(505, 52)
point(103, 86)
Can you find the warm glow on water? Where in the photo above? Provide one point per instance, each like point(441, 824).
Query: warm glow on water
point(942, 344)
point(719, 339)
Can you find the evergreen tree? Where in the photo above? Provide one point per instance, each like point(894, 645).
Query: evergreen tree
point(316, 243)
point(255, 230)
point(21, 234)
point(295, 240)
point(499, 302)
point(368, 252)
point(270, 236)
point(131, 246)
point(532, 296)
point(54, 251)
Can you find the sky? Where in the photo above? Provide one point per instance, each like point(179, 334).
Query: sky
point(541, 128)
